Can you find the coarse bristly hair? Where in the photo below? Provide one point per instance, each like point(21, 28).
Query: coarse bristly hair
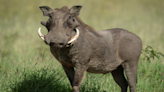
point(87, 26)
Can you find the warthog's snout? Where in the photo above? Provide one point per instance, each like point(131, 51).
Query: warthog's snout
point(57, 44)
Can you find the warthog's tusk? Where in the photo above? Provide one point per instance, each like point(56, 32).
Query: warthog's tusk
point(40, 34)
point(74, 38)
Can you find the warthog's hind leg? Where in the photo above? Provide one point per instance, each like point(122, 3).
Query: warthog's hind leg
point(119, 78)
point(131, 73)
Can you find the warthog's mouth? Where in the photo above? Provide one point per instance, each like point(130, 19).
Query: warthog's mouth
point(69, 43)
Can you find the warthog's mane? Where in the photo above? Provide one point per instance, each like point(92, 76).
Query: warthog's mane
point(87, 27)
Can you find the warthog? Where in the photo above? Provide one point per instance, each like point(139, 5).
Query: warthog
point(76, 45)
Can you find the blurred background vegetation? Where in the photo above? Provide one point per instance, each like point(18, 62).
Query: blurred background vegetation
point(20, 46)
point(20, 19)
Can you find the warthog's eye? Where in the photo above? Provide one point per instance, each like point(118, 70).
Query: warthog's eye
point(73, 20)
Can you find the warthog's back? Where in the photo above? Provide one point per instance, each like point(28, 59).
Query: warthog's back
point(118, 45)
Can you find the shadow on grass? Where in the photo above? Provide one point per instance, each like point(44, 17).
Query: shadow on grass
point(44, 80)
point(48, 80)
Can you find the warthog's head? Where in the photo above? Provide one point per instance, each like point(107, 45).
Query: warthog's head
point(61, 25)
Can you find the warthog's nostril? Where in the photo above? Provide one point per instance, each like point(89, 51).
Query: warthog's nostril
point(61, 45)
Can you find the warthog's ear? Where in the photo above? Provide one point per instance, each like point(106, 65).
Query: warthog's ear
point(46, 10)
point(75, 10)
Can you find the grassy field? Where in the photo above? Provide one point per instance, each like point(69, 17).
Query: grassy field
point(26, 64)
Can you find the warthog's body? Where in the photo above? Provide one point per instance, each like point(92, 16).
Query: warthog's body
point(112, 50)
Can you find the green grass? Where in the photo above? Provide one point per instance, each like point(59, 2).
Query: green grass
point(26, 64)
point(53, 79)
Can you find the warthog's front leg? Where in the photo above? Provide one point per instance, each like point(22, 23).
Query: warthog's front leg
point(70, 73)
point(78, 77)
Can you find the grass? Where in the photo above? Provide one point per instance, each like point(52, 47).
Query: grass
point(53, 79)
point(26, 64)
point(43, 80)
